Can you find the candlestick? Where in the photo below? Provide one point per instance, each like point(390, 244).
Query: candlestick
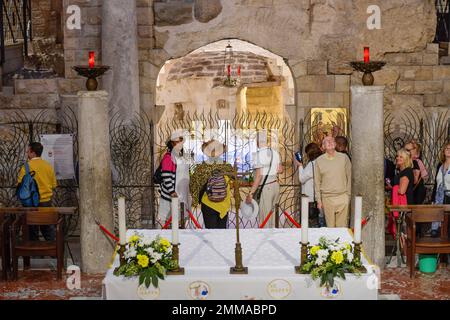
point(358, 212)
point(176, 257)
point(91, 59)
point(366, 55)
point(303, 256)
point(175, 210)
point(122, 221)
point(305, 214)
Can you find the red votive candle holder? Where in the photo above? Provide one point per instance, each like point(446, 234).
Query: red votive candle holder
point(229, 70)
point(366, 55)
point(91, 59)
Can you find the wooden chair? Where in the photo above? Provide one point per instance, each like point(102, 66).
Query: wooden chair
point(23, 247)
point(5, 245)
point(425, 245)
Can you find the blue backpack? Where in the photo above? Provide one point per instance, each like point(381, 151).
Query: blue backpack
point(28, 192)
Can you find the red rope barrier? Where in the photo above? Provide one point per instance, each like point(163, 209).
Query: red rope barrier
point(107, 232)
point(167, 224)
point(295, 223)
point(265, 220)
point(194, 220)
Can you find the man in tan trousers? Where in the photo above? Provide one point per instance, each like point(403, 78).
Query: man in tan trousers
point(332, 183)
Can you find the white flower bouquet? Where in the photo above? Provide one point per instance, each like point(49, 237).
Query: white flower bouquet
point(330, 259)
point(148, 259)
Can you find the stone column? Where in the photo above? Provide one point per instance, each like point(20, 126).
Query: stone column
point(95, 180)
point(367, 121)
point(120, 51)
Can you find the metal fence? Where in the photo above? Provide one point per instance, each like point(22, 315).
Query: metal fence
point(15, 24)
point(443, 21)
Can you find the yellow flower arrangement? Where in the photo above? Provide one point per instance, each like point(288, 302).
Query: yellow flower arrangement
point(147, 259)
point(330, 259)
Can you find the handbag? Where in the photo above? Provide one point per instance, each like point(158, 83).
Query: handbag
point(258, 192)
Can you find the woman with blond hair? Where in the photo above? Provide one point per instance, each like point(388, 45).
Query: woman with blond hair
point(404, 179)
point(419, 170)
point(441, 192)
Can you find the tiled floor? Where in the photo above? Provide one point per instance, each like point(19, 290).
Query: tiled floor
point(42, 284)
point(423, 287)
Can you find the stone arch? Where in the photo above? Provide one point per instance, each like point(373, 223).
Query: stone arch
point(289, 93)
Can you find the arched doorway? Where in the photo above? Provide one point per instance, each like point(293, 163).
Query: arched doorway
point(196, 98)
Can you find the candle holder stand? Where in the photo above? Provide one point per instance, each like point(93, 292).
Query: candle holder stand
point(357, 256)
point(303, 253)
point(367, 68)
point(175, 257)
point(239, 267)
point(122, 254)
point(91, 74)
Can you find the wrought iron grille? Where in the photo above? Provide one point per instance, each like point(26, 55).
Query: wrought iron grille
point(443, 21)
point(15, 24)
point(15, 135)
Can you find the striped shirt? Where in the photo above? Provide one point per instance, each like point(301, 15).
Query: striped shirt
point(168, 174)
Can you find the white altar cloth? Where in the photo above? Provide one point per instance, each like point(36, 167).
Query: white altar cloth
point(269, 254)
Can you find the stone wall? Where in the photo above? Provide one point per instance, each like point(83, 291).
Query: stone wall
point(254, 68)
point(43, 18)
point(316, 38)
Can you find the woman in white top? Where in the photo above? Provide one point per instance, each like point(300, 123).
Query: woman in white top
point(183, 162)
point(442, 186)
point(306, 176)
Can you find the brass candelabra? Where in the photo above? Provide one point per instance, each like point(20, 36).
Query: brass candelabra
point(239, 267)
point(176, 257)
point(303, 253)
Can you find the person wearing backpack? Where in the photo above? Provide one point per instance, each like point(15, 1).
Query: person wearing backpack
point(44, 176)
point(215, 196)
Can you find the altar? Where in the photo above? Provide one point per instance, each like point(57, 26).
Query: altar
point(269, 254)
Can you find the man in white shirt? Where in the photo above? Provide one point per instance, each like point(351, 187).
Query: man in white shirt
point(267, 163)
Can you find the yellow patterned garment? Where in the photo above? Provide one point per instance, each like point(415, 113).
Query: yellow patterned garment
point(200, 175)
point(221, 207)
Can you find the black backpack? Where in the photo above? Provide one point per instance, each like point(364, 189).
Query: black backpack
point(157, 176)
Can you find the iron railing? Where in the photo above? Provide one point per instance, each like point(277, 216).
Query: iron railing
point(443, 21)
point(15, 24)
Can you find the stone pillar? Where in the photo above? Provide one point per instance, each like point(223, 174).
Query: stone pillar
point(367, 120)
point(95, 180)
point(120, 51)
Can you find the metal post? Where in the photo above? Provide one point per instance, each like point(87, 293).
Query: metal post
point(277, 215)
point(182, 215)
point(31, 133)
point(2, 35)
point(152, 166)
point(24, 30)
point(30, 18)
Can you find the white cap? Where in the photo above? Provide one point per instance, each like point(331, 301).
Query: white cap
point(177, 134)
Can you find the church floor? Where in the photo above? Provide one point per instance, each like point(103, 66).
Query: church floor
point(42, 285)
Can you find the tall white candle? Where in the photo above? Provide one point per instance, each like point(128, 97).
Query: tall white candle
point(358, 213)
point(122, 221)
point(175, 208)
point(305, 214)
